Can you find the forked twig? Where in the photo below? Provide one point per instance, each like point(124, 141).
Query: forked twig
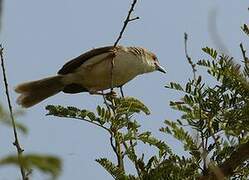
point(243, 53)
point(127, 20)
point(16, 142)
point(116, 147)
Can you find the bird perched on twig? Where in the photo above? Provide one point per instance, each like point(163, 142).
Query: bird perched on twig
point(94, 71)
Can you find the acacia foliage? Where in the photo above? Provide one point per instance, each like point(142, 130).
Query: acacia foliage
point(217, 112)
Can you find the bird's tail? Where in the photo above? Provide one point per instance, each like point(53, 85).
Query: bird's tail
point(34, 92)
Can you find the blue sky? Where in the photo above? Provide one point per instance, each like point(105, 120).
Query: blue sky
point(40, 36)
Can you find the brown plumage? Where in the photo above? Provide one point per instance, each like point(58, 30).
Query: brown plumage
point(91, 72)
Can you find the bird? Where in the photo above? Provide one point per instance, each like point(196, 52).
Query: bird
point(94, 71)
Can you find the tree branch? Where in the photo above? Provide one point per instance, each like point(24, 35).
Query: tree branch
point(187, 56)
point(244, 53)
point(89, 121)
point(127, 20)
point(16, 142)
point(134, 161)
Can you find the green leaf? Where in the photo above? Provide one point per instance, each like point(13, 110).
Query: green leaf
point(182, 135)
point(5, 119)
point(205, 63)
point(47, 164)
point(210, 51)
point(70, 112)
point(146, 137)
point(245, 29)
point(174, 86)
point(131, 105)
point(91, 116)
point(115, 171)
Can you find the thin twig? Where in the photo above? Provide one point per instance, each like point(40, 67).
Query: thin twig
point(113, 146)
point(112, 67)
point(134, 161)
point(117, 147)
point(246, 60)
point(121, 90)
point(244, 53)
point(89, 121)
point(188, 57)
point(119, 152)
point(127, 20)
point(203, 153)
point(16, 142)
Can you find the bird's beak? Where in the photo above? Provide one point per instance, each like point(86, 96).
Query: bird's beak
point(160, 68)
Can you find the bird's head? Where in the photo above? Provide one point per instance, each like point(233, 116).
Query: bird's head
point(152, 63)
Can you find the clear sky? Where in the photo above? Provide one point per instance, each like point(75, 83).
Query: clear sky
point(40, 36)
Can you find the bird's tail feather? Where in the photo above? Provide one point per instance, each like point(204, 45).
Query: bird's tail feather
point(34, 92)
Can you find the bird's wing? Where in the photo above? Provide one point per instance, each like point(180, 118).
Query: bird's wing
point(72, 65)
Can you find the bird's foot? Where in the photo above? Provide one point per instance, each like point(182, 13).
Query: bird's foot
point(96, 93)
point(109, 94)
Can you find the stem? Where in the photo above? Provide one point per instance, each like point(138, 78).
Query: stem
point(188, 57)
point(16, 141)
point(134, 161)
point(118, 151)
point(121, 90)
point(89, 121)
point(127, 20)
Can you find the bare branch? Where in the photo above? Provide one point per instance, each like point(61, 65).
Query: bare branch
point(16, 142)
point(127, 20)
point(121, 91)
point(188, 57)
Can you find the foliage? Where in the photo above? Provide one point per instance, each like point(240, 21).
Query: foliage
point(47, 164)
point(217, 113)
point(117, 118)
point(5, 119)
point(245, 29)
